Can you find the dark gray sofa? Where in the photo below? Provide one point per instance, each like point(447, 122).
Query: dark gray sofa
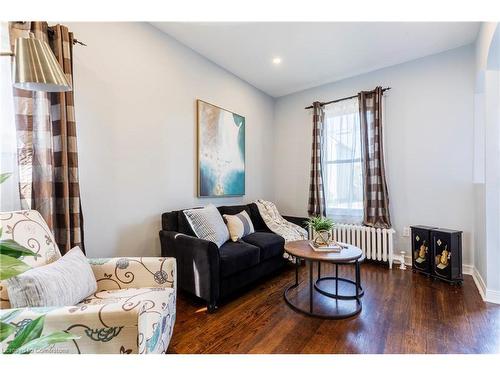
point(213, 273)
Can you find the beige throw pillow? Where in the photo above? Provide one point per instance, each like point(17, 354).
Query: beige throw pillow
point(239, 225)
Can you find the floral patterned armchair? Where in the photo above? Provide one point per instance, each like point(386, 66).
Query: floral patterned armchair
point(132, 311)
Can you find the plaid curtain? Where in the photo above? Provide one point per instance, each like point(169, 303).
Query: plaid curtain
point(47, 147)
point(376, 198)
point(316, 206)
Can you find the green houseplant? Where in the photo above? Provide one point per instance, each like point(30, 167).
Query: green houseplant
point(322, 229)
point(27, 338)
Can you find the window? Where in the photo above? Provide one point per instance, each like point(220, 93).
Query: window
point(342, 167)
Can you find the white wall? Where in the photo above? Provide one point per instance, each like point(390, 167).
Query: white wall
point(135, 94)
point(483, 44)
point(428, 142)
point(481, 53)
point(487, 156)
point(136, 91)
point(492, 181)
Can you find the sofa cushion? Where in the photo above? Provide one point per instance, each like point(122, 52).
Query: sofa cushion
point(237, 256)
point(270, 244)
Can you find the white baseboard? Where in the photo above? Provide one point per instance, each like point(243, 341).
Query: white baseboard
point(480, 285)
point(488, 295)
point(467, 269)
point(408, 260)
point(492, 296)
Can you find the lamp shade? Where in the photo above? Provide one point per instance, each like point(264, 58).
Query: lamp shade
point(36, 68)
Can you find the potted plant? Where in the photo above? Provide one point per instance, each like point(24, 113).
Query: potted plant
point(322, 229)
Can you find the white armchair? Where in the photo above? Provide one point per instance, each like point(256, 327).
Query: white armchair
point(132, 311)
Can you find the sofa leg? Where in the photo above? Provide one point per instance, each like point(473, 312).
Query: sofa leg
point(211, 307)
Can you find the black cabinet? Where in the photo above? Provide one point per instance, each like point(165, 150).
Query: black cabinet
point(421, 249)
point(437, 252)
point(446, 250)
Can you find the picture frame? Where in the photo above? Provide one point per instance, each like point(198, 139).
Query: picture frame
point(221, 151)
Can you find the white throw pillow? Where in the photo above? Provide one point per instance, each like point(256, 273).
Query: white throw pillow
point(65, 282)
point(207, 224)
point(239, 225)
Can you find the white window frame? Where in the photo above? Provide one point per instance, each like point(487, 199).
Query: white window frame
point(341, 215)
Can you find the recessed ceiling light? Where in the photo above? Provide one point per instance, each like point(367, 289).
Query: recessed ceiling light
point(277, 60)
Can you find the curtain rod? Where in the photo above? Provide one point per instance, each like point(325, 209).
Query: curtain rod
point(346, 98)
point(75, 41)
point(50, 31)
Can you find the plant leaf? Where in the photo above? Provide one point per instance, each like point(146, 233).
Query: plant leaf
point(30, 332)
point(10, 267)
point(13, 249)
point(6, 330)
point(319, 223)
point(4, 176)
point(44, 341)
point(7, 317)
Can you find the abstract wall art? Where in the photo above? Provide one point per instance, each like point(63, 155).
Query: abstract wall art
point(221, 152)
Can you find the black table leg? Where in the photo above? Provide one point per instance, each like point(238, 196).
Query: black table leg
point(336, 279)
point(297, 264)
point(311, 286)
point(358, 281)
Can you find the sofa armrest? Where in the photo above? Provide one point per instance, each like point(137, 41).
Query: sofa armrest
point(56, 319)
point(130, 272)
point(198, 263)
point(64, 318)
point(300, 221)
point(119, 322)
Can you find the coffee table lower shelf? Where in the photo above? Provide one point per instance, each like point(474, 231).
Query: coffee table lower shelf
point(315, 285)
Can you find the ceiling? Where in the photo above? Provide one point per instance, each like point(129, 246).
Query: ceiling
point(315, 53)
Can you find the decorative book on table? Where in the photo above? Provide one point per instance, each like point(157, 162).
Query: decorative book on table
point(332, 247)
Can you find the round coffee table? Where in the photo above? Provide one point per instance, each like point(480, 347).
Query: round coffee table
point(350, 255)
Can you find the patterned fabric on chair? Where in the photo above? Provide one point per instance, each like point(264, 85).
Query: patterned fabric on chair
point(133, 310)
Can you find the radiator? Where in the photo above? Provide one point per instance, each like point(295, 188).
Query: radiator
point(377, 244)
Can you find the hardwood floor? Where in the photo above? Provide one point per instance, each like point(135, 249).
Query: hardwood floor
point(402, 313)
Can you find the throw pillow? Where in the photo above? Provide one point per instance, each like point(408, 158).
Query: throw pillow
point(239, 225)
point(65, 282)
point(207, 224)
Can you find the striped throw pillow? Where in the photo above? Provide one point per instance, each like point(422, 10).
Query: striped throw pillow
point(207, 224)
point(239, 225)
point(64, 282)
